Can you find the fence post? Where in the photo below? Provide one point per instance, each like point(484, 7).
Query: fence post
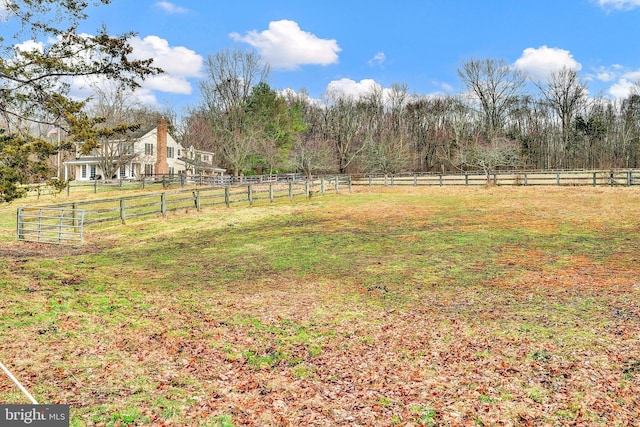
point(349, 182)
point(143, 177)
point(466, 179)
point(525, 179)
point(369, 180)
point(95, 185)
point(197, 193)
point(250, 194)
point(322, 185)
point(557, 178)
point(123, 213)
point(441, 180)
point(227, 200)
point(18, 223)
point(415, 180)
point(73, 218)
point(290, 190)
point(163, 204)
point(39, 223)
point(271, 192)
point(336, 185)
point(594, 179)
point(628, 178)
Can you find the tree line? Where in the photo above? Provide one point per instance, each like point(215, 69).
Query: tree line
point(502, 120)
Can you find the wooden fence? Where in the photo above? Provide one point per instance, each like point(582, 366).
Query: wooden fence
point(546, 178)
point(198, 198)
point(529, 178)
point(159, 182)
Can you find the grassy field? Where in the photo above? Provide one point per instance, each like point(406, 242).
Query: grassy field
point(379, 307)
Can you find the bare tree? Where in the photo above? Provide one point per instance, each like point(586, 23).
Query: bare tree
point(118, 115)
point(629, 130)
point(389, 155)
point(313, 156)
point(195, 131)
point(566, 95)
point(343, 126)
point(489, 156)
point(398, 97)
point(230, 76)
point(495, 85)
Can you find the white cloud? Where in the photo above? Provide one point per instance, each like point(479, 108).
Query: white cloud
point(284, 45)
point(4, 10)
point(541, 62)
point(619, 4)
point(377, 60)
point(29, 46)
point(348, 88)
point(633, 75)
point(170, 7)
point(178, 64)
point(442, 85)
point(628, 83)
point(607, 74)
point(622, 89)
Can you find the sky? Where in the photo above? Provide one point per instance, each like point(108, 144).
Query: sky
point(350, 45)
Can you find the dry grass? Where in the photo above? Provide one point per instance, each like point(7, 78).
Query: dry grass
point(439, 306)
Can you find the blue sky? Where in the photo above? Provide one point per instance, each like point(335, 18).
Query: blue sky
point(350, 44)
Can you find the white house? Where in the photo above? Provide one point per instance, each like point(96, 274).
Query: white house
point(199, 162)
point(146, 152)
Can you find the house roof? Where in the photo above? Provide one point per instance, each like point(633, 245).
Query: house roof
point(201, 165)
point(86, 160)
point(142, 131)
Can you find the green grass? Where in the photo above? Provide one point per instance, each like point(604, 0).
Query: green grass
point(375, 307)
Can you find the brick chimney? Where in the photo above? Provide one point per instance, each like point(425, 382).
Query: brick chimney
point(161, 166)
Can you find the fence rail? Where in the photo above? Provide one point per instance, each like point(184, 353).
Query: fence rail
point(59, 225)
point(628, 177)
point(546, 178)
point(160, 182)
point(198, 198)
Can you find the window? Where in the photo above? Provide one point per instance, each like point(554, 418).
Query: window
point(148, 169)
point(148, 149)
point(169, 152)
point(92, 173)
point(171, 171)
point(123, 172)
point(179, 153)
point(126, 148)
point(83, 171)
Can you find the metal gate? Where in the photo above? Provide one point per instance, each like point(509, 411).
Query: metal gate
point(61, 226)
